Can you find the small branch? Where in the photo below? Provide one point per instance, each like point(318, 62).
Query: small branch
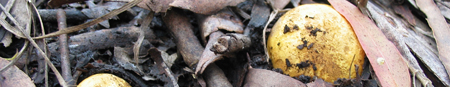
point(231, 43)
point(71, 14)
point(93, 22)
point(156, 56)
point(144, 27)
point(64, 49)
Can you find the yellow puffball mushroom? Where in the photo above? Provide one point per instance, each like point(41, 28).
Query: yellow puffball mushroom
point(315, 40)
point(103, 80)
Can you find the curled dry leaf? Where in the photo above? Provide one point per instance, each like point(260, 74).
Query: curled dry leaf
point(393, 70)
point(208, 56)
point(224, 20)
point(267, 78)
point(210, 26)
point(204, 6)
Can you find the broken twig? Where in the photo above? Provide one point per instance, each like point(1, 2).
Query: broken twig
point(64, 48)
point(188, 45)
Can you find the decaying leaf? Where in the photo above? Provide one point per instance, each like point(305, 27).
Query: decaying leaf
point(388, 64)
point(267, 78)
point(205, 7)
point(14, 75)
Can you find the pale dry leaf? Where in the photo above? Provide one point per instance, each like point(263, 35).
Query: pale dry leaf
point(278, 4)
point(14, 75)
point(6, 39)
point(155, 5)
point(267, 78)
point(205, 7)
point(441, 30)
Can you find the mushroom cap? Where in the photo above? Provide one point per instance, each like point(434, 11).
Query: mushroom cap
point(315, 40)
point(103, 80)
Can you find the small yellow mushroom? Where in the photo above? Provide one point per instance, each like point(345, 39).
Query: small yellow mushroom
point(103, 80)
point(315, 40)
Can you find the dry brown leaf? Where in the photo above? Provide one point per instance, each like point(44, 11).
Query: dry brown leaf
point(267, 78)
point(155, 5)
point(205, 7)
point(14, 75)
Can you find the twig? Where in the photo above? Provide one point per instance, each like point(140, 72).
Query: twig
point(189, 46)
point(64, 48)
point(231, 43)
point(58, 75)
point(271, 17)
point(71, 14)
point(93, 22)
point(137, 45)
point(156, 56)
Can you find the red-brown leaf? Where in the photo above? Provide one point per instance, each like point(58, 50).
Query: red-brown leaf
point(387, 62)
